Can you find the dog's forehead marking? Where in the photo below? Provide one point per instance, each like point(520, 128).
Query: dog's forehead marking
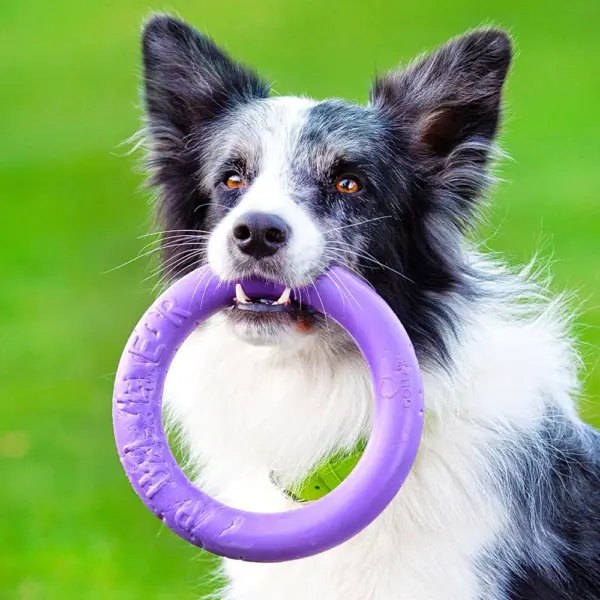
point(300, 133)
point(284, 119)
point(262, 132)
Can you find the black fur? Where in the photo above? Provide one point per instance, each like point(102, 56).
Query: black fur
point(557, 515)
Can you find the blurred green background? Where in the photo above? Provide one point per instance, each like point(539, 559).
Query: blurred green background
point(73, 208)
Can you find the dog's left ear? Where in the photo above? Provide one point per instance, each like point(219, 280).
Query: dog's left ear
point(447, 107)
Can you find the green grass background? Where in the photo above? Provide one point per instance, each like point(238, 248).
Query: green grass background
point(72, 208)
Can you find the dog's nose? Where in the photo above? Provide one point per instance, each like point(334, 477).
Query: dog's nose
point(260, 234)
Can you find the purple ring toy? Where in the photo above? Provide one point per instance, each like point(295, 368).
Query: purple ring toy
point(313, 527)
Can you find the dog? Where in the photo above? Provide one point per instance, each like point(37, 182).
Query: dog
point(503, 501)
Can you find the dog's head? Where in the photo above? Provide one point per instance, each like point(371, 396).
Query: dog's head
point(282, 187)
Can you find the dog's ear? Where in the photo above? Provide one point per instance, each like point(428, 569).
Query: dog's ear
point(189, 83)
point(188, 79)
point(447, 107)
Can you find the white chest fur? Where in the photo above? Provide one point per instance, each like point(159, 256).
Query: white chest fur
point(245, 411)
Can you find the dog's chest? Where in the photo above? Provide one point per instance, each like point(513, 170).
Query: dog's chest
point(376, 565)
point(404, 555)
point(249, 409)
point(244, 417)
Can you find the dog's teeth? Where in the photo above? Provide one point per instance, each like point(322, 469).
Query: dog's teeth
point(240, 295)
point(285, 297)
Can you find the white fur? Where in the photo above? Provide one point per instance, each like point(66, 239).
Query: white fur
point(246, 410)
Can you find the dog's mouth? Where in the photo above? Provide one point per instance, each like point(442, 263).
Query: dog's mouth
point(268, 312)
point(263, 305)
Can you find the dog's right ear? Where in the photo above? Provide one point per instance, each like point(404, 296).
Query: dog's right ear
point(189, 83)
point(188, 80)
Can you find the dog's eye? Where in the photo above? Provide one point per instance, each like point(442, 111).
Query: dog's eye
point(234, 182)
point(347, 185)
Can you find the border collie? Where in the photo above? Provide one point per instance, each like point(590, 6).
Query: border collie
point(503, 502)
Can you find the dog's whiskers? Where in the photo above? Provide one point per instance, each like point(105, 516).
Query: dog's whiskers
point(356, 224)
point(169, 267)
point(168, 232)
point(337, 256)
point(159, 245)
point(352, 251)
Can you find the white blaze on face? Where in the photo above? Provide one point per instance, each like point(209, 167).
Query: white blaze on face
point(272, 193)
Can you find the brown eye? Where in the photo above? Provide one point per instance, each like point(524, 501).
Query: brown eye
point(234, 181)
point(347, 185)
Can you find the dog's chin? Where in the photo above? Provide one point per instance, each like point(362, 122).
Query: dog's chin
point(270, 329)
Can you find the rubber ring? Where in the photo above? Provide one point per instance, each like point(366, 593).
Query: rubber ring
point(314, 527)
